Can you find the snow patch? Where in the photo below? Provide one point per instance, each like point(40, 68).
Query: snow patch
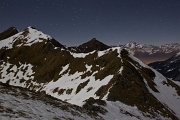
point(71, 82)
point(16, 75)
point(178, 54)
point(64, 69)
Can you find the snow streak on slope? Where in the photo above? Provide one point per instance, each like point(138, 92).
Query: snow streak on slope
point(100, 53)
point(178, 83)
point(81, 55)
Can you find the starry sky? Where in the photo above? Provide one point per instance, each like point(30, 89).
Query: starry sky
point(113, 22)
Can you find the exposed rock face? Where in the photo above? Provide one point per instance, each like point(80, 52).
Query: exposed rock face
point(8, 33)
point(100, 78)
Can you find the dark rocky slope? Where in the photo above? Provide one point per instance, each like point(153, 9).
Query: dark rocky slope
point(8, 33)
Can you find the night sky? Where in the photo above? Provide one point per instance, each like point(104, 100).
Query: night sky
point(73, 22)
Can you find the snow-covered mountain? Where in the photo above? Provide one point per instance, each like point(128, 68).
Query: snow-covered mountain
point(169, 68)
point(28, 37)
point(111, 82)
point(152, 53)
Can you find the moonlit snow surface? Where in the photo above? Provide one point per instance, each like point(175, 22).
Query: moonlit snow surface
point(20, 104)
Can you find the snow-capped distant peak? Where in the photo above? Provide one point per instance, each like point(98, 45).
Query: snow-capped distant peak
point(132, 44)
point(167, 48)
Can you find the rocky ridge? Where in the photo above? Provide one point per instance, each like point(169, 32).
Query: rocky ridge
point(8, 33)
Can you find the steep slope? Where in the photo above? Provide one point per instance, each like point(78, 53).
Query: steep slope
point(89, 46)
point(111, 82)
point(19, 103)
point(169, 68)
point(151, 53)
point(8, 33)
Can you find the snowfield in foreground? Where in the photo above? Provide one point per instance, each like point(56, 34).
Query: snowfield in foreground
point(21, 104)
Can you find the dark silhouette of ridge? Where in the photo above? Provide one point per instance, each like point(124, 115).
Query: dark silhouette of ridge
point(8, 33)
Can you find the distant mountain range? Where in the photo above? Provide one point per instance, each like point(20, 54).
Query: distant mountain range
point(169, 68)
point(152, 53)
point(108, 81)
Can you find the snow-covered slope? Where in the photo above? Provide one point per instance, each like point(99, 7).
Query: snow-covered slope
point(166, 94)
point(111, 82)
point(27, 37)
point(21, 104)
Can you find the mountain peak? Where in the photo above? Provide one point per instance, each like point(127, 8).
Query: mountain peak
point(90, 46)
point(131, 44)
point(31, 27)
point(94, 40)
point(28, 37)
